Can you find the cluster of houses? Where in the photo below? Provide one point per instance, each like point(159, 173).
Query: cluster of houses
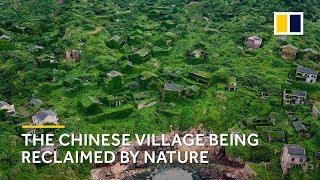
point(170, 91)
point(40, 118)
point(293, 155)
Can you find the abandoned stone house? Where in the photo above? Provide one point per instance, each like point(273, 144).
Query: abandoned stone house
point(172, 91)
point(292, 155)
point(277, 136)
point(126, 65)
point(299, 126)
point(232, 84)
point(295, 97)
point(35, 102)
point(316, 109)
point(309, 53)
point(192, 91)
point(308, 74)
point(7, 107)
point(288, 52)
point(113, 74)
point(201, 77)
point(140, 56)
point(44, 117)
point(148, 79)
point(115, 41)
point(115, 100)
point(72, 55)
point(36, 48)
point(196, 56)
point(140, 95)
point(47, 61)
point(114, 81)
point(253, 42)
point(91, 105)
point(160, 51)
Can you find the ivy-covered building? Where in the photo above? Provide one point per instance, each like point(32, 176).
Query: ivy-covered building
point(140, 55)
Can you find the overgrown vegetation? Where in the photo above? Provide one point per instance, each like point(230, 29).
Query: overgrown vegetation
point(149, 42)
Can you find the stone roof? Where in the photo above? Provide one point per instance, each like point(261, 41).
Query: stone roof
point(299, 93)
point(35, 102)
point(143, 52)
point(114, 73)
point(42, 114)
point(296, 150)
point(304, 70)
point(254, 38)
point(173, 87)
point(116, 38)
point(36, 48)
point(298, 126)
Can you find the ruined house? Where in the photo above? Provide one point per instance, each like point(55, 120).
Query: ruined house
point(172, 91)
point(140, 56)
point(316, 109)
point(126, 66)
point(148, 79)
point(309, 75)
point(253, 42)
point(295, 97)
point(309, 53)
point(200, 77)
point(47, 61)
point(292, 155)
point(114, 74)
point(141, 95)
point(115, 100)
point(299, 126)
point(192, 91)
point(160, 51)
point(288, 52)
point(232, 84)
point(169, 24)
point(115, 41)
point(279, 136)
point(168, 109)
point(197, 54)
point(44, 117)
point(114, 81)
point(35, 102)
point(36, 49)
point(72, 55)
point(90, 105)
point(7, 107)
